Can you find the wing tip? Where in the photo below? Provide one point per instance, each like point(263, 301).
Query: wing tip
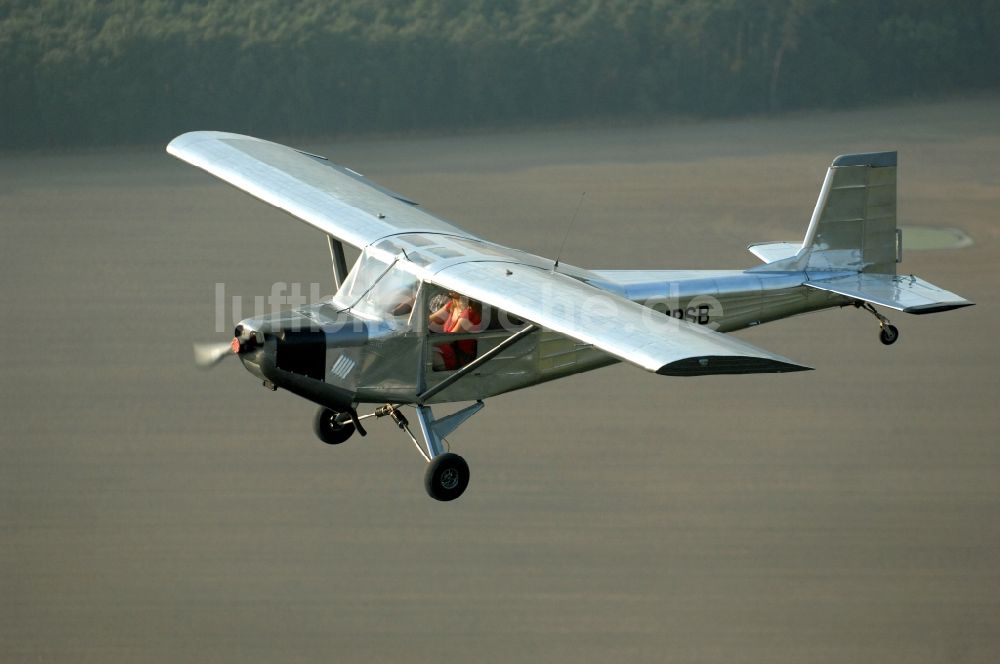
point(189, 138)
point(937, 307)
point(728, 364)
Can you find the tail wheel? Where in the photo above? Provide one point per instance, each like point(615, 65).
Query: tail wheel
point(329, 430)
point(888, 335)
point(447, 477)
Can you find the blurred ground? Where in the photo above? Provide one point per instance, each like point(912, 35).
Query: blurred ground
point(152, 512)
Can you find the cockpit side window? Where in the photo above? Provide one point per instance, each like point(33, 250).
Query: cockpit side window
point(452, 313)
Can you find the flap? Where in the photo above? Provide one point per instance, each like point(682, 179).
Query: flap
point(622, 328)
point(903, 293)
point(334, 199)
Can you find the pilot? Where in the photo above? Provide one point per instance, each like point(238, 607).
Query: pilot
point(459, 314)
point(403, 301)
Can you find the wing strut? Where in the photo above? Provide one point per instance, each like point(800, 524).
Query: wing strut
point(476, 363)
point(339, 260)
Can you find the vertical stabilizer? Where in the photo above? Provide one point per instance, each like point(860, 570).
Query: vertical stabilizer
point(853, 226)
point(854, 223)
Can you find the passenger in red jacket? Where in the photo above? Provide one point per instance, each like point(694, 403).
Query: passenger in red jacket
point(458, 315)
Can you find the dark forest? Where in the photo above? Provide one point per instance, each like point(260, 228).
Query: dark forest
point(98, 72)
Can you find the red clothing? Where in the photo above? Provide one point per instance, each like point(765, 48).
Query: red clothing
point(469, 314)
point(459, 353)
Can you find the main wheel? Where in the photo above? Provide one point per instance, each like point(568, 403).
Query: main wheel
point(447, 477)
point(888, 335)
point(329, 430)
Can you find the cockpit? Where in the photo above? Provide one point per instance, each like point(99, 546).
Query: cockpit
point(379, 286)
point(387, 285)
point(384, 281)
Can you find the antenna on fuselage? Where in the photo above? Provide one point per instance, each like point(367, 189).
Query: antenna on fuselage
point(568, 229)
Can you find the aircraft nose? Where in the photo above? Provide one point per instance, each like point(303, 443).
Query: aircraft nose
point(246, 338)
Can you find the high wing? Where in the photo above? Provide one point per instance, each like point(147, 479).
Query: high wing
point(622, 328)
point(345, 205)
point(336, 200)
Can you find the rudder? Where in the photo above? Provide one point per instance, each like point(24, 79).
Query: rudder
point(853, 226)
point(854, 223)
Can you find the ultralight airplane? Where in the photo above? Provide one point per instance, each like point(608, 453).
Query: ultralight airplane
point(432, 314)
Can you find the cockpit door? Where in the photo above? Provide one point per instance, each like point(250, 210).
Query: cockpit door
point(457, 330)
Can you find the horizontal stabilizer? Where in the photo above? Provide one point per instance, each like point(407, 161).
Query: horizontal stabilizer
point(903, 293)
point(770, 252)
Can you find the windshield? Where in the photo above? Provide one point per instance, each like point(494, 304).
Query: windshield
point(379, 289)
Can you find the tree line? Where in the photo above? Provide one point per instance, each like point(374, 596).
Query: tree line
point(99, 72)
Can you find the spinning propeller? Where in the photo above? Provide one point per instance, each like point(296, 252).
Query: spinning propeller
point(207, 355)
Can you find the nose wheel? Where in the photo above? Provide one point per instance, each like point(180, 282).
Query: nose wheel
point(888, 333)
point(331, 427)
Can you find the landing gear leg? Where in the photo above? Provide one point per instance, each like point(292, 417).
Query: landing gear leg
point(888, 333)
point(447, 473)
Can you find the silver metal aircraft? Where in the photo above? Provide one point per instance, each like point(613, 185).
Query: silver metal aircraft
point(431, 314)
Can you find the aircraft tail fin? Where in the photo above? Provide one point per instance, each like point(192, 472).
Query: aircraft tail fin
point(853, 229)
point(853, 226)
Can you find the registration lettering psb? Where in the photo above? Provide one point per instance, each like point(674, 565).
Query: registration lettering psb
point(697, 314)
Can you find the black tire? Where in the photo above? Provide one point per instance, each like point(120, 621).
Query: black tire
point(888, 335)
point(329, 430)
point(447, 477)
